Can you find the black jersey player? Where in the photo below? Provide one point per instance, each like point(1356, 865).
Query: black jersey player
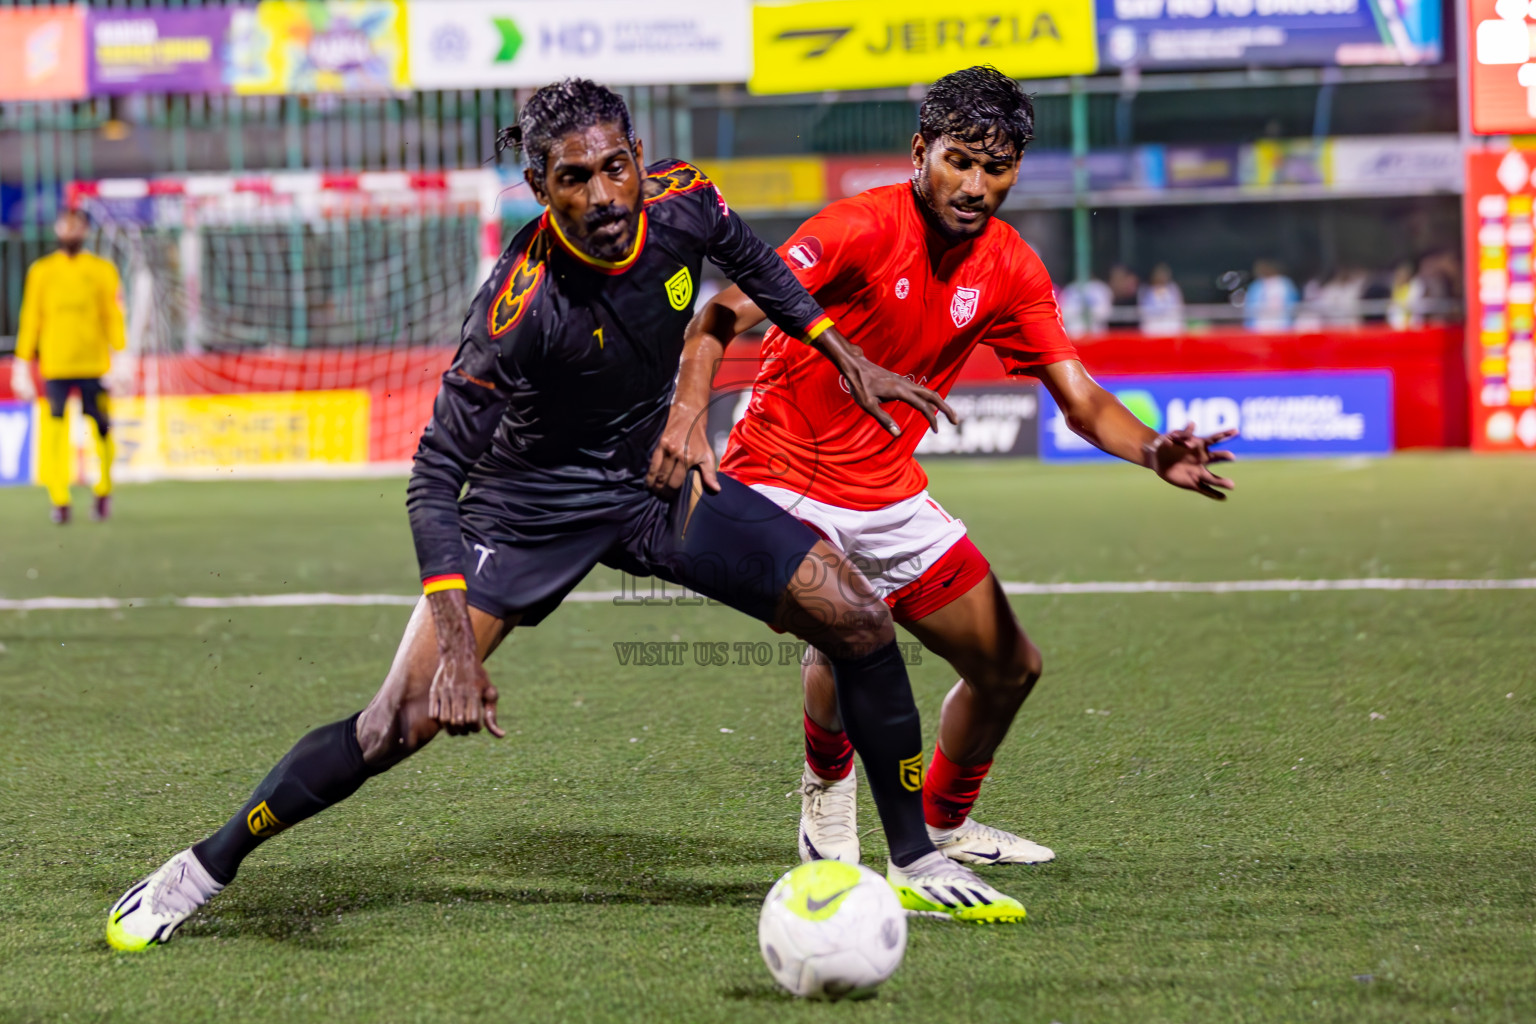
point(549, 414)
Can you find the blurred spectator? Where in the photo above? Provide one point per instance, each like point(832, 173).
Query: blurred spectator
point(1085, 307)
point(1269, 303)
point(1440, 273)
point(1160, 304)
point(1123, 283)
point(1406, 308)
point(1337, 302)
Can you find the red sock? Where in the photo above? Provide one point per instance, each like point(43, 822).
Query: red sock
point(829, 754)
point(950, 790)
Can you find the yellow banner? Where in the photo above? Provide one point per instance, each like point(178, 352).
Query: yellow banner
point(853, 44)
point(194, 433)
point(318, 46)
point(770, 183)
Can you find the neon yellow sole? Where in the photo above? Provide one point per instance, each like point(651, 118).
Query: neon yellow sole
point(122, 941)
point(1010, 912)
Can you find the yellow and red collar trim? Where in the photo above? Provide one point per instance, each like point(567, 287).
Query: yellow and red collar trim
point(601, 266)
point(447, 581)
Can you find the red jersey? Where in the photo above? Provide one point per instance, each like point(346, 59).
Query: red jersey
point(917, 305)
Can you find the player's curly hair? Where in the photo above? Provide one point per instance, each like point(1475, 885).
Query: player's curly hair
point(558, 109)
point(979, 105)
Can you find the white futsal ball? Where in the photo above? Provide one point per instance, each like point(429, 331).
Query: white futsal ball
point(831, 930)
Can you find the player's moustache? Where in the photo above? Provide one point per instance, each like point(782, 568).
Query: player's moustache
point(602, 217)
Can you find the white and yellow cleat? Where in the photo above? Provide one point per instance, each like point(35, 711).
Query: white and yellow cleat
point(828, 818)
point(935, 886)
point(975, 843)
point(149, 913)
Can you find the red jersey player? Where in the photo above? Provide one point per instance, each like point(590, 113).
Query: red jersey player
point(918, 275)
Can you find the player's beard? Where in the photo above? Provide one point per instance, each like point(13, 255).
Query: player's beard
point(609, 248)
point(72, 247)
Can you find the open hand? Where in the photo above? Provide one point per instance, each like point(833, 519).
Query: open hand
point(1183, 458)
point(871, 384)
point(684, 445)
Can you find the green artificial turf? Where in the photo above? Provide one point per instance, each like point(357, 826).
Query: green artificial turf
point(1267, 807)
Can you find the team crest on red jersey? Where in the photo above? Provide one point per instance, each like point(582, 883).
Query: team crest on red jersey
point(962, 308)
point(805, 253)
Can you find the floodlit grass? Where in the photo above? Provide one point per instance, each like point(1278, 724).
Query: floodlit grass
point(1280, 807)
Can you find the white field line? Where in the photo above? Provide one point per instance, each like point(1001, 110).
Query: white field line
point(39, 604)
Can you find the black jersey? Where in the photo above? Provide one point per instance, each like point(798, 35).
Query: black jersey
point(566, 368)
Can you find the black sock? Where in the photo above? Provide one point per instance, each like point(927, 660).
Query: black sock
point(323, 768)
point(880, 717)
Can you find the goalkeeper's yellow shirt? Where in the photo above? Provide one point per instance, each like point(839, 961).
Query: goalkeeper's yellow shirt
point(70, 316)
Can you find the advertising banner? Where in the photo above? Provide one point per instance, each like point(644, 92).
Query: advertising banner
point(770, 182)
point(1154, 35)
point(42, 53)
point(1292, 414)
point(996, 421)
point(993, 421)
point(190, 434)
point(850, 175)
point(1503, 80)
point(16, 434)
point(1049, 172)
point(1434, 161)
point(472, 44)
point(157, 50)
point(1270, 162)
point(851, 44)
point(1202, 166)
point(1044, 172)
point(1501, 300)
point(339, 46)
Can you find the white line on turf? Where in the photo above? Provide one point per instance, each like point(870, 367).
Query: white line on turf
point(39, 604)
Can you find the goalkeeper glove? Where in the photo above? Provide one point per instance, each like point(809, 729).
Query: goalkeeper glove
point(21, 380)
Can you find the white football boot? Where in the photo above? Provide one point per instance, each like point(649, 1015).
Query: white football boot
point(935, 886)
point(975, 843)
point(828, 818)
point(149, 913)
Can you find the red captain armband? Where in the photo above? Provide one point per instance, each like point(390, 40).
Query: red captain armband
point(818, 328)
point(447, 581)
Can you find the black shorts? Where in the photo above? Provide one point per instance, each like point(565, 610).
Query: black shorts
point(736, 547)
point(91, 390)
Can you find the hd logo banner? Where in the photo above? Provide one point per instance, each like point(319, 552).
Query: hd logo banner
point(1293, 414)
point(851, 44)
point(475, 44)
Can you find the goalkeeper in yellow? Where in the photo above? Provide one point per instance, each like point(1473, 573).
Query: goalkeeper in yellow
point(71, 320)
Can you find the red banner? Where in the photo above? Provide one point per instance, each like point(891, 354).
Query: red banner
point(1503, 90)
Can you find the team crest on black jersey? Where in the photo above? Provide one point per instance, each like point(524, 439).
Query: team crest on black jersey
point(680, 289)
point(517, 293)
point(675, 180)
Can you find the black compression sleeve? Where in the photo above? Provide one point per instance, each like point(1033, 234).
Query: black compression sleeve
point(753, 265)
point(323, 768)
point(881, 719)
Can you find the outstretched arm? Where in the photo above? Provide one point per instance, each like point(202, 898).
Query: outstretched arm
point(1180, 456)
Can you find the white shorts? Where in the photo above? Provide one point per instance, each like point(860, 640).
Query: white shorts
point(892, 546)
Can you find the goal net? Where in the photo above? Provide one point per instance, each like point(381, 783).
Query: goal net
point(287, 324)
